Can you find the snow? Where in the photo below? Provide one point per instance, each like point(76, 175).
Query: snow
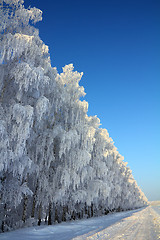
point(55, 161)
point(140, 224)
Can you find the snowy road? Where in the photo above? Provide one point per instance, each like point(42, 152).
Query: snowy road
point(141, 224)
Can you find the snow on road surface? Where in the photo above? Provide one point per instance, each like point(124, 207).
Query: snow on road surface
point(141, 224)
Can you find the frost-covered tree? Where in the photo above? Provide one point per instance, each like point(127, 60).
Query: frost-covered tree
point(26, 82)
point(55, 162)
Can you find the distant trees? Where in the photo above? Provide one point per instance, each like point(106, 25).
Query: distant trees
point(56, 164)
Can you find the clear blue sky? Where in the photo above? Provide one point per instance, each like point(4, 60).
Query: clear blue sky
point(117, 46)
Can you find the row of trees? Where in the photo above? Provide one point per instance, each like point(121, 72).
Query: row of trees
point(56, 164)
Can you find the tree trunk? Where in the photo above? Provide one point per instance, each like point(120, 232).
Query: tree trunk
point(34, 201)
point(4, 217)
point(92, 210)
point(50, 214)
point(24, 208)
point(39, 215)
point(64, 214)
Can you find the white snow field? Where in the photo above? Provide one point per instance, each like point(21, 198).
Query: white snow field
point(140, 224)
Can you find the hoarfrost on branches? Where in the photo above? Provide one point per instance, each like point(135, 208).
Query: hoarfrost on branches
point(56, 163)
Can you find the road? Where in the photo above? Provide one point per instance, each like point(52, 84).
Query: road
point(140, 224)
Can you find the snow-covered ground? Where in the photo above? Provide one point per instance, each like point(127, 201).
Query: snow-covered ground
point(141, 224)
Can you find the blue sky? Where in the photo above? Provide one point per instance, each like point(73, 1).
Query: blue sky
point(117, 46)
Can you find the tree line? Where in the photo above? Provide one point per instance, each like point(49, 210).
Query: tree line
point(56, 163)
